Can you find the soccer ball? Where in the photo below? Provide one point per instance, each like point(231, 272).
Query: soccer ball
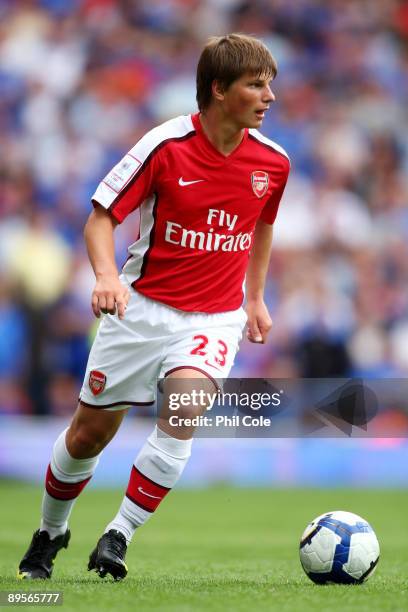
point(339, 547)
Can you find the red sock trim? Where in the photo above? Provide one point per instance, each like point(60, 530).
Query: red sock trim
point(63, 490)
point(145, 492)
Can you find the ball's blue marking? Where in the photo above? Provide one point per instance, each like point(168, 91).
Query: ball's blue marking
point(342, 550)
point(308, 539)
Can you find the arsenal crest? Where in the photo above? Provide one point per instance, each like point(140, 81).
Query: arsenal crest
point(97, 381)
point(260, 182)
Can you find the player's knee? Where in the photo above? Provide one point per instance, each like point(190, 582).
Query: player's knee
point(190, 412)
point(86, 442)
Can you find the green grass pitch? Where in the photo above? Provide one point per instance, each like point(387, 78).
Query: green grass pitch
point(215, 549)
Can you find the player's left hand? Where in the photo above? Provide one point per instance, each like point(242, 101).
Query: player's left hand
point(259, 321)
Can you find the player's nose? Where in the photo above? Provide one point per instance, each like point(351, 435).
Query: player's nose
point(268, 95)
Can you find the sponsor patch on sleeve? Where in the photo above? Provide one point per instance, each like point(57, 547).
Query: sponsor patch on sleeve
point(121, 174)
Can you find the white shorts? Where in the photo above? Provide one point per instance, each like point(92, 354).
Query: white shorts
point(128, 356)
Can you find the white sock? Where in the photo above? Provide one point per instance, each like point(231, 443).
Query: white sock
point(65, 479)
point(156, 470)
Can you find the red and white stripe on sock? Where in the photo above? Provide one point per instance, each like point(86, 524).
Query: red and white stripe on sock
point(145, 492)
point(156, 470)
point(63, 491)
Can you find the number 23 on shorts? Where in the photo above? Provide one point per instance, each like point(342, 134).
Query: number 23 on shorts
point(200, 348)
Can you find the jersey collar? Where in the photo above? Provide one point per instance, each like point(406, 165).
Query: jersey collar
point(209, 146)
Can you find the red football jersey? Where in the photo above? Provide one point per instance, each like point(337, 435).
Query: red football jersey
point(198, 210)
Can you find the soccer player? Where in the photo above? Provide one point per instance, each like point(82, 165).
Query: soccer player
point(208, 187)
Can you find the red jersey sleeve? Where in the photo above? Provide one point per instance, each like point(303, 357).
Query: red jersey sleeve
point(130, 182)
point(270, 209)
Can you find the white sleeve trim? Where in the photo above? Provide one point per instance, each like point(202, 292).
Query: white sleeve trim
point(124, 171)
point(268, 142)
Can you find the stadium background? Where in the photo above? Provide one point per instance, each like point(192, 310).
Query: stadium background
point(80, 82)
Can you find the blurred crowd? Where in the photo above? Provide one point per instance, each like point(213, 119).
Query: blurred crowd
point(81, 81)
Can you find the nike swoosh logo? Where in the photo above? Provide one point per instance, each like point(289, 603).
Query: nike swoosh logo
point(148, 494)
point(185, 183)
point(211, 365)
point(58, 489)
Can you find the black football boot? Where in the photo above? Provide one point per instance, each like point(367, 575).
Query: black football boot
point(108, 557)
point(38, 562)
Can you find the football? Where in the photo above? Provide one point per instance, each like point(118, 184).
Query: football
point(339, 547)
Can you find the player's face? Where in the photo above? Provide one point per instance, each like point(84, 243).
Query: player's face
point(246, 100)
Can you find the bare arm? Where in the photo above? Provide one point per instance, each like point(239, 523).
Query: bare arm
point(259, 321)
point(109, 294)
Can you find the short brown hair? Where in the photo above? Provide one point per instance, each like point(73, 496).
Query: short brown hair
point(227, 58)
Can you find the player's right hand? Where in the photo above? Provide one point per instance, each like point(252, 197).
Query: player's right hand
point(109, 297)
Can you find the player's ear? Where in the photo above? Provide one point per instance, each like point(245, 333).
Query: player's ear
point(218, 90)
